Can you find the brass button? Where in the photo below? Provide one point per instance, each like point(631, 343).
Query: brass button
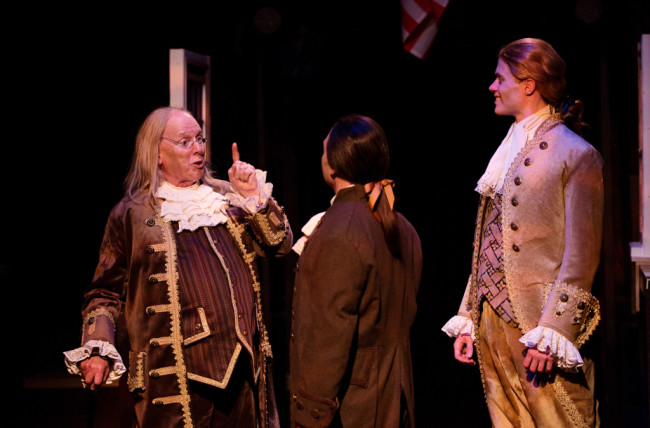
point(158, 403)
point(515, 248)
point(315, 413)
point(528, 161)
point(245, 333)
point(515, 202)
point(294, 396)
point(155, 344)
point(514, 227)
point(564, 297)
point(300, 405)
point(149, 249)
point(543, 145)
point(153, 280)
point(155, 375)
point(151, 311)
point(151, 222)
point(198, 326)
point(517, 181)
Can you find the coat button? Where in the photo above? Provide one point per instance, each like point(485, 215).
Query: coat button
point(515, 248)
point(564, 297)
point(155, 344)
point(151, 222)
point(245, 333)
point(155, 375)
point(91, 320)
point(517, 181)
point(151, 311)
point(528, 161)
point(514, 227)
point(515, 202)
point(197, 326)
point(543, 145)
point(315, 413)
point(300, 405)
point(153, 280)
point(149, 249)
point(158, 403)
point(581, 305)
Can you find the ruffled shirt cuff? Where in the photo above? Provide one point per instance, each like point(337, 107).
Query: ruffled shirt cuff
point(546, 339)
point(253, 204)
point(458, 325)
point(75, 356)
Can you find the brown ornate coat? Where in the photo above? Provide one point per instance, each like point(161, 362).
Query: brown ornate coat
point(138, 273)
point(353, 305)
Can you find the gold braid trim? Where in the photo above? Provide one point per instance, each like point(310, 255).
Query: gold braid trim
point(99, 312)
point(249, 258)
point(472, 302)
point(137, 380)
point(519, 315)
point(164, 371)
point(575, 417)
point(176, 333)
point(226, 378)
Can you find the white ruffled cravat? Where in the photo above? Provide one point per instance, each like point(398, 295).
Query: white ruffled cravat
point(518, 135)
point(192, 207)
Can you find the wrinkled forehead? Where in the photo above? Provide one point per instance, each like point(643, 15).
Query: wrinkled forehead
point(181, 123)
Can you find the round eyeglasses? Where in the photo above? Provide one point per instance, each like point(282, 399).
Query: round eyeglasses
point(187, 143)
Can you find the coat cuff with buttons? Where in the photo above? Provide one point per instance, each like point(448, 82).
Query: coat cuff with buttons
point(312, 411)
point(270, 225)
point(571, 311)
point(98, 325)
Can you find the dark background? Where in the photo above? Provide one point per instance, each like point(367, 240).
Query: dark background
point(85, 80)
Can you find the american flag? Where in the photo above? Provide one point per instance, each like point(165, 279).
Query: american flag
point(420, 24)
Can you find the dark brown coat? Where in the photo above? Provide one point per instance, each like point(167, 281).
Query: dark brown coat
point(354, 304)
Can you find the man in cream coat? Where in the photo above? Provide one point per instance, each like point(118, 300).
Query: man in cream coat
point(527, 306)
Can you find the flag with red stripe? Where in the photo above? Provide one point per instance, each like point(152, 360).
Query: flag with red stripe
point(420, 24)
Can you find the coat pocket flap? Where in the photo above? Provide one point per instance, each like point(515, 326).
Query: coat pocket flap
point(195, 325)
point(364, 363)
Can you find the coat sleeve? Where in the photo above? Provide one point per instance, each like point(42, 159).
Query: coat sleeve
point(326, 320)
point(570, 308)
point(103, 298)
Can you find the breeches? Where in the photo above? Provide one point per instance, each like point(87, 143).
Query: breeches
point(519, 398)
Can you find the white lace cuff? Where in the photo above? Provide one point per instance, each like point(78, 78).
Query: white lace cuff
point(105, 350)
point(253, 204)
point(544, 338)
point(458, 325)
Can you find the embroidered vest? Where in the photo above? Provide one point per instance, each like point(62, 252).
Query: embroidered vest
point(491, 283)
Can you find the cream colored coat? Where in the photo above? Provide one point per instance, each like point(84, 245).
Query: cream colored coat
point(552, 229)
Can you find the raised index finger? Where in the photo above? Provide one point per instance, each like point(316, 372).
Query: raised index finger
point(235, 153)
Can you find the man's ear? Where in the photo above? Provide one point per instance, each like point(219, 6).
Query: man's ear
point(529, 86)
